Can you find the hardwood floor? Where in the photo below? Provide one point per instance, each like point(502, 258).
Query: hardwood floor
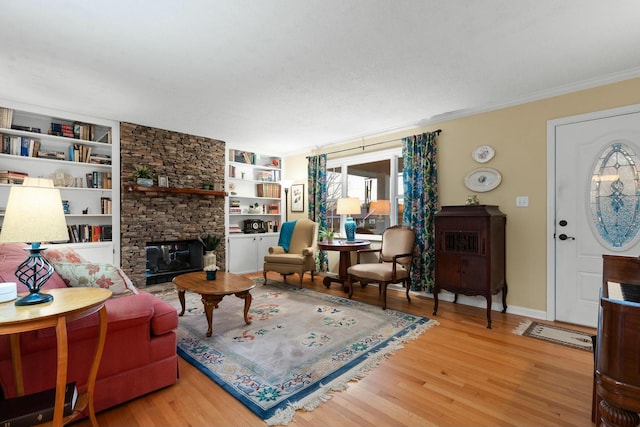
point(456, 374)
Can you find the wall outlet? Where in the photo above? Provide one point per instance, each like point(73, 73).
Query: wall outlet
point(522, 201)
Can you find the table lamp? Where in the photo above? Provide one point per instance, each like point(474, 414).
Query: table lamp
point(349, 206)
point(379, 207)
point(34, 214)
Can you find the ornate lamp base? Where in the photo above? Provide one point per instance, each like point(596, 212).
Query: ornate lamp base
point(350, 229)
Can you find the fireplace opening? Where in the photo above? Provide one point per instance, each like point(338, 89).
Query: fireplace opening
point(166, 260)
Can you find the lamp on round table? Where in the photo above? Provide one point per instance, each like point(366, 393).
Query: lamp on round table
point(34, 214)
point(349, 206)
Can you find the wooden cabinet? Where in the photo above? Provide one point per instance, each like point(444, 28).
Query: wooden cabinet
point(247, 251)
point(82, 156)
point(470, 253)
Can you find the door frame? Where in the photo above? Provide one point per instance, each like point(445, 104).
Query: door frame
point(551, 190)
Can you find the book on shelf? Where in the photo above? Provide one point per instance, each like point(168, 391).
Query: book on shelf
point(6, 117)
point(268, 190)
point(36, 408)
point(12, 177)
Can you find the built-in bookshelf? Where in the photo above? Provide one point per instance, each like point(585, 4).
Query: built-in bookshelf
point(253, 185)
point(79, 153)
point(254, 191)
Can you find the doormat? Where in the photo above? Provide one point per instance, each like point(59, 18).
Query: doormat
point(300, 346)
point(556, 334)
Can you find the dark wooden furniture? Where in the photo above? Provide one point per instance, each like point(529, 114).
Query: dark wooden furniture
point(345, 248)
point(470, 253)
point(617, 376)
point(213, 291)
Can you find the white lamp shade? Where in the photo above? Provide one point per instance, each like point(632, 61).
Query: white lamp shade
point(286, 183)
point(348, 206)
point(34, 213)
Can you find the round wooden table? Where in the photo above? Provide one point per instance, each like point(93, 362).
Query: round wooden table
point(68, 304)
point(345, 248)
point(212, 291)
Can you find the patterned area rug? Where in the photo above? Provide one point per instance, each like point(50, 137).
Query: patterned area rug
point(556, 334)
point(300, 346)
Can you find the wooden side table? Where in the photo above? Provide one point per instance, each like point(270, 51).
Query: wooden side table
point(213, 291)
point(345, 248)
point(68, 304)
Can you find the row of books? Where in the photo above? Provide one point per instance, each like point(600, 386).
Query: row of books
point(84, 131)
point(242, 156)
point(12, 177)
point(84, 154)
point(268, 190)
point(83, 233)
point(97, 179)
point(273, 176)
point(106, 206)
point(30, 147)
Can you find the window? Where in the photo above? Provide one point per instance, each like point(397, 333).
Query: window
point(369, 177)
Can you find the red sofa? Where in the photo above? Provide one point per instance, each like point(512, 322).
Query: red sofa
point(139, 354)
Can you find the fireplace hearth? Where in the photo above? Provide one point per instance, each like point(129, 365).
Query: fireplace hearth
point(166, 260)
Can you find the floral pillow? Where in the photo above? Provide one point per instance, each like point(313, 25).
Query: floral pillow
point(53, 254)
point(95, 275)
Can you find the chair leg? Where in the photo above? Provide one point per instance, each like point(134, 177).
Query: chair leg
point(301, 277)
point(384, 294)
point(407, 285)
point(264, 274)
point(312, 274)
point(349, 284)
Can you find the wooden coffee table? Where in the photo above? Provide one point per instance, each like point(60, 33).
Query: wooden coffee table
point(212, 291)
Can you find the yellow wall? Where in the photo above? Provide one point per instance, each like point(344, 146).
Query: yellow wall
point(519, 136)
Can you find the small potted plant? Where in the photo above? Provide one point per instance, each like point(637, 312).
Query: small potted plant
point(211, 271)
point(143, 175)
point(325, 233)
point(210, 243)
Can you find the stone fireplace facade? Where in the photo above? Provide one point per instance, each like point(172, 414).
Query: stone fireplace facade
point(188, 161)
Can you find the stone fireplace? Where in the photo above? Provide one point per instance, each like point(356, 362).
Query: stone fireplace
point(188, 161)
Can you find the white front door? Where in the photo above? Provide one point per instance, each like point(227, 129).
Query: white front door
point(597, 205)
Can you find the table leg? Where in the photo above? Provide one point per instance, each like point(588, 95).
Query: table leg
point(16, 360)
point(61, 374)
point(247, 304)
point(181, 298)
point(93, 373)
point(209, 302)
point(345, 263)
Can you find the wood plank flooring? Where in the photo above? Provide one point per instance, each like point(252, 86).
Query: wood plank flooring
point(456, 374)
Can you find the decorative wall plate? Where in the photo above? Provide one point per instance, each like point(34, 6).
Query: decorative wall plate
point(483, 154)
point(482, 179)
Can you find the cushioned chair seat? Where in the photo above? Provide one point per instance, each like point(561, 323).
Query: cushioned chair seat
point(292, 259)
point(377, 272)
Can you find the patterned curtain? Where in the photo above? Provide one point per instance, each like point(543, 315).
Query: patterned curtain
point(420, 176)
point(317, 196)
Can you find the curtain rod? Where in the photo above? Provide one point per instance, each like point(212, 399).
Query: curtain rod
point(363, 146)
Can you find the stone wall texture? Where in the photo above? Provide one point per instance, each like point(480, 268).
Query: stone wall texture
point(188, 161)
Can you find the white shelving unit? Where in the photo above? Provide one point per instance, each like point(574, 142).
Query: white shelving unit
point(86, 205)
point(254, 204)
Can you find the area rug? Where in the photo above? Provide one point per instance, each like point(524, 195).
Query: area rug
point(300, 346)
point(556, 334)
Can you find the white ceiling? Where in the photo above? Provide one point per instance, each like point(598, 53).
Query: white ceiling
point(292, 75)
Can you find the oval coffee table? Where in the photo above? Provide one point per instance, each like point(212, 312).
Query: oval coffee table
point(212, 291)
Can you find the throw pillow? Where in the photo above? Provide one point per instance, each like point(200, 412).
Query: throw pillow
point(63, 254)
point(95, 275)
